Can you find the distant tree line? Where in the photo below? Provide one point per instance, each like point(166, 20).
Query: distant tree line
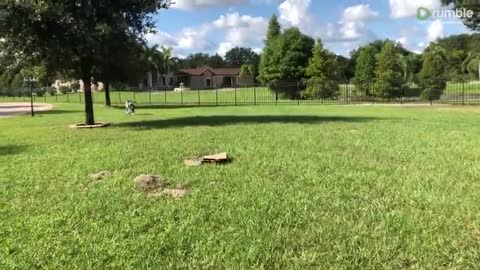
point(382, 68)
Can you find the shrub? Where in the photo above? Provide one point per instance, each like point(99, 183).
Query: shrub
point(75, 87)
point(285, 89)
point(64, 89)
point(321, 89)
point(52, 91)
point(40, 92)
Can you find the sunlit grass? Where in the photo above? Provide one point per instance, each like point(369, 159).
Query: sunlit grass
point(309, 187)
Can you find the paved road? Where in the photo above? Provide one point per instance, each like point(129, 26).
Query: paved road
point(11, 109)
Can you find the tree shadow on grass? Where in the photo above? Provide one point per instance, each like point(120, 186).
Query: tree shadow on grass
point(58, 112)
point(166, 107)
point(6, 150)
point(225, 120)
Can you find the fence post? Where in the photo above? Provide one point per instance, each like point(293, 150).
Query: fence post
point(181, 96)
point(216, 96)
point(68, 98)
point(45, 95)
point(345, 98)
point(402, 95)
point(134, 94)
point(463, 92)
point(198, 95)
point(347, 94)
point(235, 95)
point(119, 96)
point(80, 96)
point(149, 96)
point(276, 96)
point(165, 96)
point(56, 96)
point(298, 93)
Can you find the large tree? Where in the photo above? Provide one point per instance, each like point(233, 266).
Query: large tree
point(322, 82)
point(289, 60)
point(432, 75)
point(238, 57)
point(389, 72)
point(202, 59)
point(365, 69)
point(68, 35)
point(268, 66)
point(128, 69)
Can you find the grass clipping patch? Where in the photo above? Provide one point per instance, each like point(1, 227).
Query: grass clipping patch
point(156, 186)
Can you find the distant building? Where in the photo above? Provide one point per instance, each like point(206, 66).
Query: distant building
point(59, 83)
point(207, 77)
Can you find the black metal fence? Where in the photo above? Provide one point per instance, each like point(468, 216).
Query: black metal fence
point(463, 93)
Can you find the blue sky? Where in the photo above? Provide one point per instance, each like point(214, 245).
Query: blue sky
point(215, 26)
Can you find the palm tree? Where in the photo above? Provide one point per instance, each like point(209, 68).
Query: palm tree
point(471, 65)
point(167, 62)
point(155, 58)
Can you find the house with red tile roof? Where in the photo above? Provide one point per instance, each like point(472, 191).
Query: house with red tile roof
point(208, 77)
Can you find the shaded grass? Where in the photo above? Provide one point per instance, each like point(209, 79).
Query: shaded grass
point(310, 187)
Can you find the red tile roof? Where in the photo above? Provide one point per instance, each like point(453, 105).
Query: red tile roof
point(215, 71)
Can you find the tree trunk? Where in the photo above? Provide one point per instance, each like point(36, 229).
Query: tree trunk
point(107, 94)
point(87, 89)
point(149, 79)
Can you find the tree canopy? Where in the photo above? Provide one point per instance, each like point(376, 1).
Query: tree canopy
point(432, 79)
point(69, 35)
point(474, 5)
point(389, 72)
point(322, 82)
point(365, 68)
point(240, 56)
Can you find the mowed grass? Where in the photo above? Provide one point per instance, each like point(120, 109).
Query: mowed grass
point(309, 187)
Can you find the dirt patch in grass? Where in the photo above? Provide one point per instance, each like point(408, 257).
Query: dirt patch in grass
point(98, 176)
point(156, 186)
point(175, 193)
point(149, 183)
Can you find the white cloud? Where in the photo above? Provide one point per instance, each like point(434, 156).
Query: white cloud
point(351, 27)
point(194, 38)
point(193, 4)
point(435, 30)
point(295, 12)
point(241, 30)
point(359, 13)
point(161, 38)
point(408, 8)
point(354, 23)
point(235, 30)
point(404, 41)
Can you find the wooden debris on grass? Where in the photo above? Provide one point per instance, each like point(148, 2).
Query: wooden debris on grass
point(216, 158)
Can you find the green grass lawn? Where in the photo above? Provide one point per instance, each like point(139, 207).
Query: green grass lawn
point(309, 187)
